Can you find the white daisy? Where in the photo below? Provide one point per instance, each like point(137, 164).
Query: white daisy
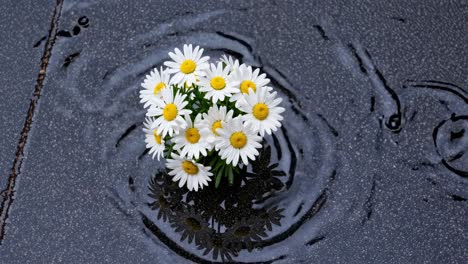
point(153, 84)
point(245, 79)
point(169, 110)
point(263, 112)
point(192, 141)
point(216, 83)
point(213, 120)
point(237, 141)
point(188, 66)
point(153, 140)
point(230, 62)
point(187, 171)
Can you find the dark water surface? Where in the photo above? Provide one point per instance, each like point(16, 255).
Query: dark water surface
point(371, 165)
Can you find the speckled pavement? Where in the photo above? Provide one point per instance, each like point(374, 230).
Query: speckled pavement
point(377, 99)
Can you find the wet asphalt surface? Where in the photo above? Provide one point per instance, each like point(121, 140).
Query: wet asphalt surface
point(373, 154)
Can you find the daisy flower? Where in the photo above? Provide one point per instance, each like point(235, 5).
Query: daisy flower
point(263, 113)
point(245, 79)
point(216, 84)
point(153, 84)
point(169, 110)
point(230, 62)
point(192, 141)
point(153, 140)
point(188, 172)
point(214, 119)
point(187, 66)
point(237, 141)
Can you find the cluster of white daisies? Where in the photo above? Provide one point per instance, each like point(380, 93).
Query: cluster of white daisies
point(206, 119)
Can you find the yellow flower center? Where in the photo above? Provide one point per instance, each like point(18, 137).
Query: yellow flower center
point(218, 83)
point(246, 85)
point(170, 112)
point(188, 66)
point(238, 139)
point(215, 126)
point(192, 135)
point(158, 88)
point(189, 167)
point(157, 137)
point(260, 111)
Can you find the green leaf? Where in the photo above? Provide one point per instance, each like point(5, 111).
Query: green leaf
point(212, 162)
point(218, 179)
point(169, 151)
point(217, 167)
point(230, 175)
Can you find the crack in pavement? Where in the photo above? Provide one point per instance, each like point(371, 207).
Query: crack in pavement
point(9, 192)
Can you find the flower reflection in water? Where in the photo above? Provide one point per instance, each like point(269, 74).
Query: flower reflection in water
point(221, 221)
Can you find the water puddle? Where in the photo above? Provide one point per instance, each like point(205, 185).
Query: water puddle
point(289, 200)
point(258, 218)
point(275, 209)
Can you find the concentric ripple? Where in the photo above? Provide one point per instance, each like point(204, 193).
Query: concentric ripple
point(275, 199)
point(275, 209)
point(451, 142)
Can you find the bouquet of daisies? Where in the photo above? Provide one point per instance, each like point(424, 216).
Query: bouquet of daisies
point(207, 119)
